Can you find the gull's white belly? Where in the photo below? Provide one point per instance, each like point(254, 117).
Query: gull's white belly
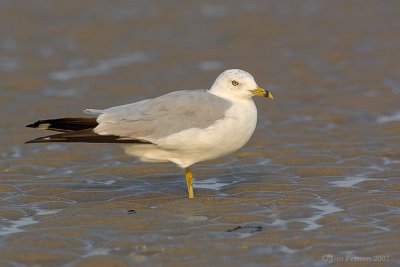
point(194, 145)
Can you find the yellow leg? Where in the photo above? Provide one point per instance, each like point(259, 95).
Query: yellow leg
point(189, 177)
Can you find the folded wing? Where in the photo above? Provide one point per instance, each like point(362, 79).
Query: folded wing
point(162, 116)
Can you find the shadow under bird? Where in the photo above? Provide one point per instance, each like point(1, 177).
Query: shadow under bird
point(183, 127)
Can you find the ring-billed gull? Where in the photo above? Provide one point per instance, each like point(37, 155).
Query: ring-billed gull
point(183, 127)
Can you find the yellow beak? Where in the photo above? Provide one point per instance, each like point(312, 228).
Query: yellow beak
point(262, 92)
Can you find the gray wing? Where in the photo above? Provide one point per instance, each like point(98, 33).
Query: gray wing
point(160, 117)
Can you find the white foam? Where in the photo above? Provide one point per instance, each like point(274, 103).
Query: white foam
point(195, 218)
point(42, 212)
point(212, 183)
point(388, 161)
point(324, 209)
point(349, 182)
point(97, 251)
point(102, 67)
point(389, 118)
point(278, 222)
point(93, 251)
point(106, 182)
point(244, 235)
point(15, 226)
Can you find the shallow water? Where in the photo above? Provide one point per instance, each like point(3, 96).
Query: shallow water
point(317, 185)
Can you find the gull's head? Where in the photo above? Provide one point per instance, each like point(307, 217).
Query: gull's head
point(237, 83)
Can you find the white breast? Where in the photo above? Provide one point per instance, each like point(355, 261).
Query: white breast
point(224, 137)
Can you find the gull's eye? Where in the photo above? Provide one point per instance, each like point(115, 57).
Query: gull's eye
point(235, 83)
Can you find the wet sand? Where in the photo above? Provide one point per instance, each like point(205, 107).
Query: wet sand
point(317, 185)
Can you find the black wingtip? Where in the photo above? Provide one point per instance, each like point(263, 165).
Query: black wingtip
point(36, 140)
point(33, 125)
point(65, 124)
point(32, 141)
